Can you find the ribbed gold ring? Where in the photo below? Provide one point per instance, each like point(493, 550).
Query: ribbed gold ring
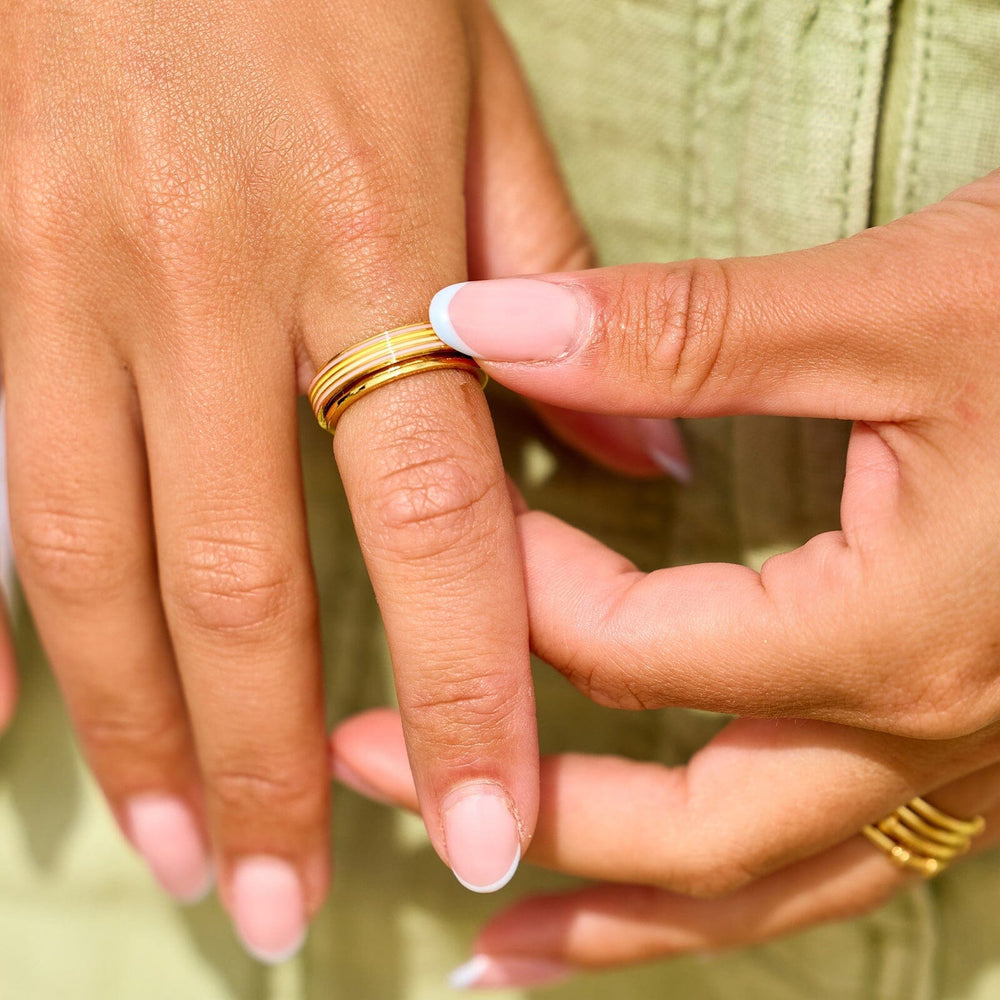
point(920, 837)
point(377, 361)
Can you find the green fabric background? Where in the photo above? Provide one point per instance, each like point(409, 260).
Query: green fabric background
point(687, 127)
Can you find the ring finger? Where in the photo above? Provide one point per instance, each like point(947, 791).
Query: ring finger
point(240, 601)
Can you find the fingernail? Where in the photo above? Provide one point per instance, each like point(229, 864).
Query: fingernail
point(662, 442)
point(481, 837)
point(509, 319)
point(346, 775)
point(268, 908)
point(489, 972)
point(163, 831)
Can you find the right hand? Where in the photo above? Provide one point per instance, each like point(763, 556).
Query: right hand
point(198, 208)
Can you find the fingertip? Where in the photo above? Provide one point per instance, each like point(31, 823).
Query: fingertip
point(498, 971)
point(378, 730)
point(268, 908)
point(536, 926)
point(664, 446)
point(342, 772)
point(368, 755)
point(644, 447)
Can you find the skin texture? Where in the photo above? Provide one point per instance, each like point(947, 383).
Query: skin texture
point(198, 209)
point(869, 656)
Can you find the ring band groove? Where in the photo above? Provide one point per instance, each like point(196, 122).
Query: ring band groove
point(377, 361)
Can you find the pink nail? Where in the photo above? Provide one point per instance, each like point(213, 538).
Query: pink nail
point(509, 319)
point(163, 831)
point(481, 837)
point(489, 972)
point(268, 908)
point(662, 441)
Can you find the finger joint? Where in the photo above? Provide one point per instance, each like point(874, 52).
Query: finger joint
point(236, 587)
point(428, 508)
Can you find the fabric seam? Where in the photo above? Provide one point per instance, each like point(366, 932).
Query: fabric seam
point(851, 155)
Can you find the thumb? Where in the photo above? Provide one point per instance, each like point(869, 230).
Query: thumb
point(866, 328)
point(521, 220)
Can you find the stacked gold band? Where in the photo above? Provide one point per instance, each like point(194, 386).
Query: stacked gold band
point(922, 838)
point(377, 361)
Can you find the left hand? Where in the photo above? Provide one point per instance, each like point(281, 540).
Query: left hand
point(755, 838)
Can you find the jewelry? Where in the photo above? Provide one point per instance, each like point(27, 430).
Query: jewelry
point(920, 837)
point(377, 361)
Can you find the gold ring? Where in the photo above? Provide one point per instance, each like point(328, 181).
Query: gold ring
point(921, 837)
point(377, 361)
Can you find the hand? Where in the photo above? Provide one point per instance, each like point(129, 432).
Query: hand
point(891, 625)
point(757, 837)
point(198, 209)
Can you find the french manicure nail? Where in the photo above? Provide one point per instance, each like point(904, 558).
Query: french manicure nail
point(509, 319)
point(662, 441)
point(481, 837)
point(490, 972)
point(163, 831)
point(268, 908)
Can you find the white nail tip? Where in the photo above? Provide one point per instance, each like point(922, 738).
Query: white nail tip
point(670, 465)
point(275, 957)
point(441, 320)
point(468, 974)
point(493, 886)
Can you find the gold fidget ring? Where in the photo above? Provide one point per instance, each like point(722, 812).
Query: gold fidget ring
point(922, 838)
point(378, 361)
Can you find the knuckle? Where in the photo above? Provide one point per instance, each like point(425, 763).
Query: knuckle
point(234, 586)
point(482, 701)
point(78, 558)
point(170, 216)
point(346, 181)
point(606, 669)
point(41, 205)
point(169, 200)
point(605, 684)
point(952, 696)
point(941, 722)
point(112, 732)
point(430, 506)
point(291, 791)
point(676, 326)
point(359, 207)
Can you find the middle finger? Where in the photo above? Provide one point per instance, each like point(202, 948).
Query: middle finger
point(239, 597)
